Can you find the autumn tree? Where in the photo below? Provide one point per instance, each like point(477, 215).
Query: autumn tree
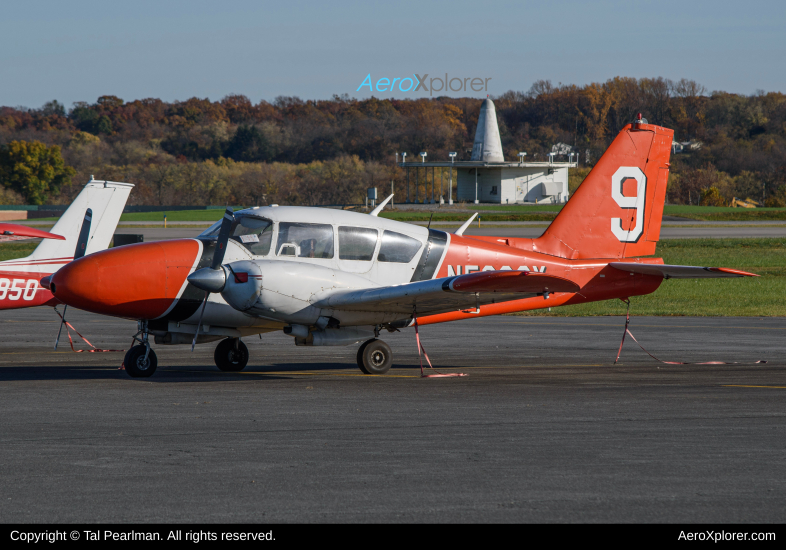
point(33, 170)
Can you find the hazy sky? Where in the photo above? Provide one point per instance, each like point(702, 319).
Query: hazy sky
point(79, 50)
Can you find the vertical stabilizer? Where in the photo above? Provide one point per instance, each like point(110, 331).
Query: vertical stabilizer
point(617, 210)
point(106, 199)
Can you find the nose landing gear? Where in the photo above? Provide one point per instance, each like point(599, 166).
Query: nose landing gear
point(141, 361)
point(231, 355)
point(375, 357)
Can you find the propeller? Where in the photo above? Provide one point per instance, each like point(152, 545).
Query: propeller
point(213, 278)
point(81, 247)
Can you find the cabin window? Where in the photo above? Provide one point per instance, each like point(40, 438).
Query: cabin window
point(305, 240)
point(253, 233)
point(356, 243)
point(398, 248)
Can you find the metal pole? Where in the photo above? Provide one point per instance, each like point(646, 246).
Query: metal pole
point(417, 184)
point(450, 189)
point(392, 202)
point(476, 185)
point(407, 184)
point(441, 177)
point(432, 185)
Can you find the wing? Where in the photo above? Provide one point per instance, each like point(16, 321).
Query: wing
point(448, 294)
point(680, 271)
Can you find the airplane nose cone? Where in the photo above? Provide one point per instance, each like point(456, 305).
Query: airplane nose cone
point(138, 281)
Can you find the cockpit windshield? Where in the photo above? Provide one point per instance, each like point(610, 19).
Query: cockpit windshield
point(252, 232)
point(212, 231)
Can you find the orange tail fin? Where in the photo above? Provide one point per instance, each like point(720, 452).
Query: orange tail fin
point(617, 210)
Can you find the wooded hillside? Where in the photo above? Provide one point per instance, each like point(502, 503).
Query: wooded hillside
point(294, 151)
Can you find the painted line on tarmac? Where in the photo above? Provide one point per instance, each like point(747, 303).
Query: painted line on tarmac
point(744, 386)
point(649, 326)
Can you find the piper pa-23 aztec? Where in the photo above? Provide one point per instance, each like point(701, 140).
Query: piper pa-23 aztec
point(329, 277)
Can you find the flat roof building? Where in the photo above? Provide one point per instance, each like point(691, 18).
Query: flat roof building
point(487, 177)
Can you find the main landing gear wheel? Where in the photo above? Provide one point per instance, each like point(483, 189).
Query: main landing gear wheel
point(375, 357)
point(137, 366)
point(231, 358)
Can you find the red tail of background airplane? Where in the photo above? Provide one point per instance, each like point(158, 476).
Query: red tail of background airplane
point(626, 186)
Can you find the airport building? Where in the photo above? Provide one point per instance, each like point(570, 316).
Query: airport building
point(487, 177)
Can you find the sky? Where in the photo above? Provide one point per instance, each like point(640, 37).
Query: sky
point(174, 50)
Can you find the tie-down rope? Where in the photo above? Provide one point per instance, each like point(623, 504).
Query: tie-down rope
point(627, 331)
point(423, 350)
point(70, 341)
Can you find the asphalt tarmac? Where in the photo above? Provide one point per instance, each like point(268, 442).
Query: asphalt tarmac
point(544, 429)
point(668, 231)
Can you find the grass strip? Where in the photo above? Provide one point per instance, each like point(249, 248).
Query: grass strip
point(763, 296)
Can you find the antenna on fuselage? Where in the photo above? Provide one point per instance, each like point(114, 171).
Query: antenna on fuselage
point(379, 208)
point(460, 230)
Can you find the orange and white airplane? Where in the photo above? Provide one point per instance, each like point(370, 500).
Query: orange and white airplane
point(20, 279)
point(329, 277)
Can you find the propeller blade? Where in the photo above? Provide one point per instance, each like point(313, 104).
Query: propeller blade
point(223, 238)
point(62, 322)
point(84, 234)
point(199, 324)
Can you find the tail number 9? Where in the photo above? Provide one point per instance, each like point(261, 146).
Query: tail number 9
point(619, 178)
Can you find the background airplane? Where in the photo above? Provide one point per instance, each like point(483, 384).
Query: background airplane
point(20, 279)
point(331, 277)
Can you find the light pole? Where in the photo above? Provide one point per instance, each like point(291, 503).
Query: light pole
point(404, 161)
point(391, 182)
point(425, 174)
point(522, 158)
point(450, 189)
point(441, 177)
point(433, 179)
point(476, 185)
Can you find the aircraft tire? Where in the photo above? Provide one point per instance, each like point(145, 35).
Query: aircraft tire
point(229, 359)
point(360, 355)
point(135, 363)
point(377, 357)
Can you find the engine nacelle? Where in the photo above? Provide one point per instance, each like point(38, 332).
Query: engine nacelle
point(282, 290)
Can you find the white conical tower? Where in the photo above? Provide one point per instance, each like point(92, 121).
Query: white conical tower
point(488, 146)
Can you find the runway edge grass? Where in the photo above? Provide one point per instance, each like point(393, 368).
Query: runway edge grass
point(763, 296)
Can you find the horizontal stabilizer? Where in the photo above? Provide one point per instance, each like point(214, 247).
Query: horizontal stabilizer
point(17, 230)
point(680, 271)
